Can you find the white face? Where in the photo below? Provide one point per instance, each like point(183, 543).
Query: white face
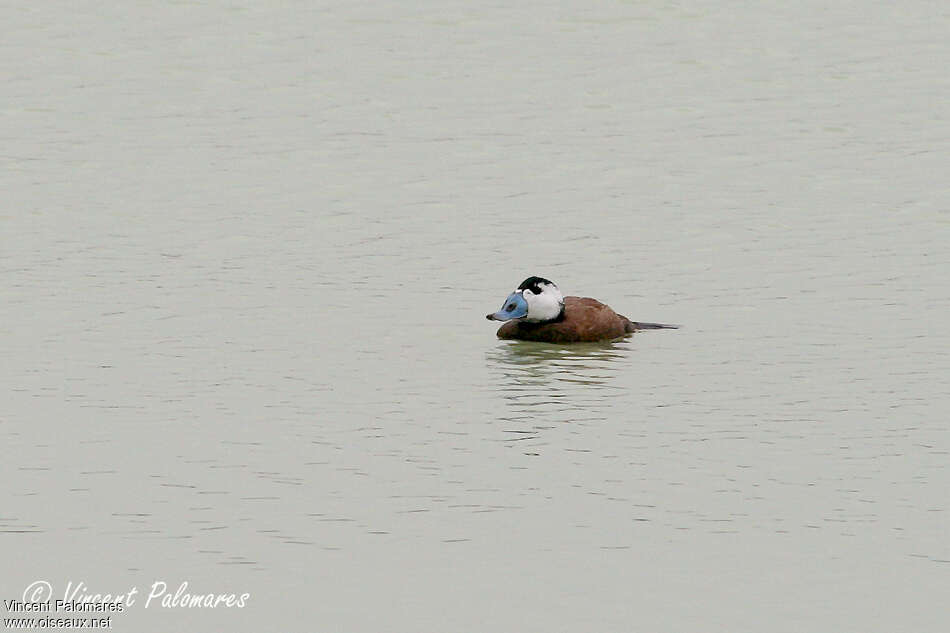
point(543, 306)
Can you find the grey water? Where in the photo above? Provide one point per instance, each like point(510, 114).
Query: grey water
point(245, 256)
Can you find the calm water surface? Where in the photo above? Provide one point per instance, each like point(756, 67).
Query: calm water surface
point(246, 255)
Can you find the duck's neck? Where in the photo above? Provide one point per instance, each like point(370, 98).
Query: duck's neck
point(557, 319)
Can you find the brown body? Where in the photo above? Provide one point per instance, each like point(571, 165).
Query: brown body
point(584, 320)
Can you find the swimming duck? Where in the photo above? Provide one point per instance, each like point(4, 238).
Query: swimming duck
point(537, 311)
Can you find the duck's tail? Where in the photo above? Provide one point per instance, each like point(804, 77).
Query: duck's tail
point(633, 326)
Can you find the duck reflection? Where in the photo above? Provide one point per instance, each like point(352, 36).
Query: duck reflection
point(545, 385)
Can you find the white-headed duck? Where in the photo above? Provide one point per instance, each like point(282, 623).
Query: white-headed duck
point(537, 311)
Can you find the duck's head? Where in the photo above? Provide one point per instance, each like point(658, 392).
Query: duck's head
point(536, 299)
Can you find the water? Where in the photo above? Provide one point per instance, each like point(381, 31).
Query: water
point(247, 253)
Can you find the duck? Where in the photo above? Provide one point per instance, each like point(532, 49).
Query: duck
point(537, 311)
